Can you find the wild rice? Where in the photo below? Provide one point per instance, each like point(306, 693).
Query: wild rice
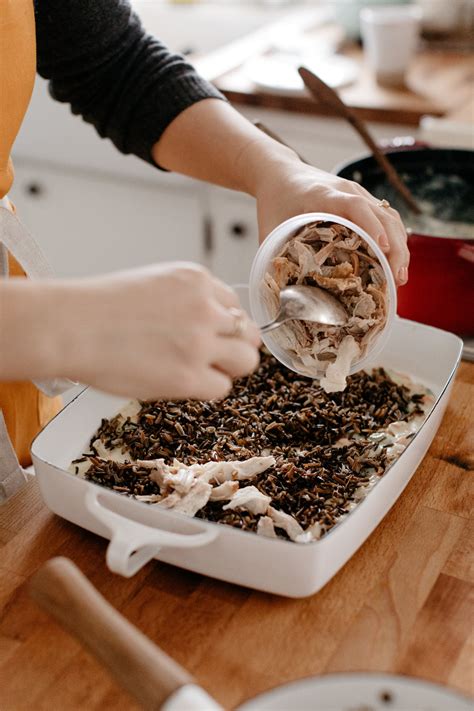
point(329, 448)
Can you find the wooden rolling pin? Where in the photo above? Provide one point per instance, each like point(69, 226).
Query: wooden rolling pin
point(154, 679)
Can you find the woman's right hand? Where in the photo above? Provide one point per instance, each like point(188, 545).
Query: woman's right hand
point(164, 331)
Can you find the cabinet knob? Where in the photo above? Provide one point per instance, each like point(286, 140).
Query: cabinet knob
point(238, 230)
point(34, 189)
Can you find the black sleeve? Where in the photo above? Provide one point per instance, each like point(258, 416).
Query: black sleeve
point(125, 82)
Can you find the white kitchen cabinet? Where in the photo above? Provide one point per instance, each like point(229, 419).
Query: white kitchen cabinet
point(233, 234)
point(87, 223)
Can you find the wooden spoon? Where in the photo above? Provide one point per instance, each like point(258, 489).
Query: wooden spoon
point(138, 665)
point(327, 96)
point(431, 225)
point(272, 134)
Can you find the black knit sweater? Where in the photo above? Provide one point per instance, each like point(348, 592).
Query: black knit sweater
point(125, 82)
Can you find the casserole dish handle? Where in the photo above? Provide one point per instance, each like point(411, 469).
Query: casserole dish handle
point(132, 544)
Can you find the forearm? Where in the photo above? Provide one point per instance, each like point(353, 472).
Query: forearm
point(211, 141)
point(164, 331)
point(31, 325)
point(118, 77)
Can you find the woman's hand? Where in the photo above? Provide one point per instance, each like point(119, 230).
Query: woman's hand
point(162, 332)
point(292, 187)
point(212, 142)
point(165, 331)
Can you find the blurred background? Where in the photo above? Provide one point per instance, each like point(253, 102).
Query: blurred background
point(94, 210)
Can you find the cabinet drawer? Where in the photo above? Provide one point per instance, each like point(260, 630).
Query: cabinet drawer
point(88, 225)
point(234, 234)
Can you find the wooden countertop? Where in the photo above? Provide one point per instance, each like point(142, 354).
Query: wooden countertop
point(402, 604)
point(438, 83)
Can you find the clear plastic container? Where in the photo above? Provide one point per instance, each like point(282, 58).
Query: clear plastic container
point(273, 246)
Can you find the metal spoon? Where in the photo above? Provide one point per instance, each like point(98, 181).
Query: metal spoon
point(308, 303)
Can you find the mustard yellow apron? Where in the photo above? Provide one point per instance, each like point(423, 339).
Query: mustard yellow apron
point(24, 409)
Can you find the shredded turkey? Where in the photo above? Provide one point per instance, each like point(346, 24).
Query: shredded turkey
point(265, 527)
point(250, 499)
point(194, 500)
point(149, 498)
point(238, 471)
point(224, 491)
point(188, 488)
point(335, 258)
point(286, 522)
point(336, 373)
point(233, 491)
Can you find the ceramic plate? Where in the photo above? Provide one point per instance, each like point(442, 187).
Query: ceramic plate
point(280, 74)
point(359, 692)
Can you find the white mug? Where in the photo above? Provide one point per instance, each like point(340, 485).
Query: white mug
point(390, 36)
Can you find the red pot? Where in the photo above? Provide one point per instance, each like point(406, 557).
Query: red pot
point(440, 290)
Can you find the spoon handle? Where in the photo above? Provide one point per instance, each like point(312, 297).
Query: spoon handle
point(276, 137)
point(271, 326)
point(326, 95)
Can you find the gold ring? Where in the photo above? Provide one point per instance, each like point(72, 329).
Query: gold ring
point(240, 321)
point(383, 203)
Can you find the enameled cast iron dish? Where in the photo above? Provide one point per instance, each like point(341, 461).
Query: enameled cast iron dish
point(139, 532)
point(440, 291)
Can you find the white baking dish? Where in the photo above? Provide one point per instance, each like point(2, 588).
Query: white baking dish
point(139, 532)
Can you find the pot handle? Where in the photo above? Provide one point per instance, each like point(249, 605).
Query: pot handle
point(132, 544)
point(401, 143)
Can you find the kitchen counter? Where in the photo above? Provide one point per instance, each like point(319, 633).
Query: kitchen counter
point(402, 604)
point(438, 82)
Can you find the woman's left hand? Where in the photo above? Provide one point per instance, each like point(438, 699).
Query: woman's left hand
point(212, 142)
point(291, 188)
